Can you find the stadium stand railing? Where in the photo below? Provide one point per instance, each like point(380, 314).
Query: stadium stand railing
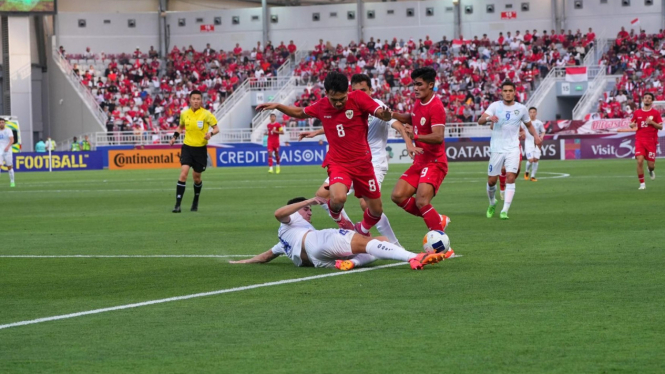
point(593, 92)
point(556, 74)
point(83, 92)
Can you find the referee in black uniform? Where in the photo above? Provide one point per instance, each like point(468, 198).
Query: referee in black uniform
point(196, 122)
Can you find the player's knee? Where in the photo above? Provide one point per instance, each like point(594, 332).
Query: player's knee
point(397, 197)
point(422, 201)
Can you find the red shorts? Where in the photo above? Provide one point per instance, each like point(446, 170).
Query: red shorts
point(361, 177)
point(433, 173)
point(273, 147)
point(646, 149)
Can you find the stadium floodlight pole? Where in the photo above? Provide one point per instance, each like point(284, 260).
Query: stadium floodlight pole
point(457, 11)
point(50, 168)
point(359, 19)
point(266, 24)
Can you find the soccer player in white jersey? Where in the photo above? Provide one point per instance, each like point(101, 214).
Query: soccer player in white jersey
point(306, 246)
point(507, 116)
point(377, 137)
point(6, 156)
point(532, 151)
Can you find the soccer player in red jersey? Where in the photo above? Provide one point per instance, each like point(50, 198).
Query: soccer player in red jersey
point(646, 122)
point(430, 164)
point(274, 131)
point(344, 117)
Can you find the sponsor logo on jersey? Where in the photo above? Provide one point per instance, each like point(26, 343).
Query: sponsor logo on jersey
point(422, 121)
point(517, 112)
point(349, 114)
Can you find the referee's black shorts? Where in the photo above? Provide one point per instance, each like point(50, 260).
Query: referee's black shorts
point(196, 157)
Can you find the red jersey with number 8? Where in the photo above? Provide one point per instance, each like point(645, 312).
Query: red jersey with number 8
point(423, 118)
point(645, 132)
point(346, 130)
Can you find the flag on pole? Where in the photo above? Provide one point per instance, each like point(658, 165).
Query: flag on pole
point(635, 22)
point(576, 74)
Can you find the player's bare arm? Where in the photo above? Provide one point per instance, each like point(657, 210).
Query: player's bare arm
point(215, 130)
point(532, 130)
point(264, 257)
point(436, 137)
point(633, 128)
point(404, 118)
point(410, 147)
point(291, 111)
point(11, 141)
point(283, 214)
point(310, 134)
point(651, 122)
point(177, 133)
point(487, 118)
point(383, 113)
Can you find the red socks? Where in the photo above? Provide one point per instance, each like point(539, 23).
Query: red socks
point(641, 178)
point(502, 182)
point(431, 217)
point(410, 206)
point(369, 220)
point(336, 216)
point(270, 161)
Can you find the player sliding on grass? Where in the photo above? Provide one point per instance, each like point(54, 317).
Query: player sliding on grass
point(377, 138)
point(339, 248)
point(430, 164)
point(507, 116)
point(645, 122)
point(349, 160)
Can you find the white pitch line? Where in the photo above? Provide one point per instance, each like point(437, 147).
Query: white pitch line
point(122, 256)
point(192, 296)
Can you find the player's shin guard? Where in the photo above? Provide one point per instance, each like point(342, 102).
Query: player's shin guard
point(510, 193)
point(384, 228)
point(368, 221)
point(269, 160)
point(431, 217)
point(502, 182)
point(336, 216)
point(528, 167)
point(534, 169)
point(410, 206)
point(641, 178)
point(491, 191)
point(11, 175)
point(388, 251)
point(179, 192)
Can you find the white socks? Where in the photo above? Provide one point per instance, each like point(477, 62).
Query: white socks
point(528, 166)
point(11, 175)
point(362, 259)
point(384, 228)
point(534, 168)
point(491, 191)
point(388, 251)
point(510, 192)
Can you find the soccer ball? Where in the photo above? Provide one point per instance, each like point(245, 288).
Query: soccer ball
point(436, 242)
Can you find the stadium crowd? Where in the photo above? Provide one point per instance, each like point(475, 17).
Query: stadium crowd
point(142, 91)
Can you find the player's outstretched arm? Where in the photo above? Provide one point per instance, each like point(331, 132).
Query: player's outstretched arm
point(383, 113)
point(283, 214)
point(264, 257)
point(310, 134)
point(484, 118)
point(291, 111)
point(532, 130)
point(402, 117)
point(410, 147)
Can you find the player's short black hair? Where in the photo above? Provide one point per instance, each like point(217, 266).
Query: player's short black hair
point(336, 82)
point(427, 74)
point(507, 83)
point(296, 200)
point(359, 78)
point(650, 94)
point(195, 92)
point(534, 108)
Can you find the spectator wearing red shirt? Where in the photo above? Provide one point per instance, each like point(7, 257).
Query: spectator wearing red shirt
point(292, 47)
point(237, 50)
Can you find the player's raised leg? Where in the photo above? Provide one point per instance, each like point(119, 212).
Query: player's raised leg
point(324, 193)
point(403, 196)
point(383, 226)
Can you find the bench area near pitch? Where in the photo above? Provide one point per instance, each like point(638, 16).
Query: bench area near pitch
point(571, 283)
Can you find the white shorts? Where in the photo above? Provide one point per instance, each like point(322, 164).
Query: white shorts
point(7, 158)
point(511, 160)
point(531, 151)
point(379, 173)
point(324, 247)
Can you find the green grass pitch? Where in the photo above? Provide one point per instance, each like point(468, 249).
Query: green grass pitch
point(574, 282)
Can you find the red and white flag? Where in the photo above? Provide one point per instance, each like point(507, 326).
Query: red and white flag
point(576, 74)
point(635, 22)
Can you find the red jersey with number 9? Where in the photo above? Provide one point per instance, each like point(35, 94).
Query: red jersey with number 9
point(346, 130)
point(423, 118)
point(645, 132)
